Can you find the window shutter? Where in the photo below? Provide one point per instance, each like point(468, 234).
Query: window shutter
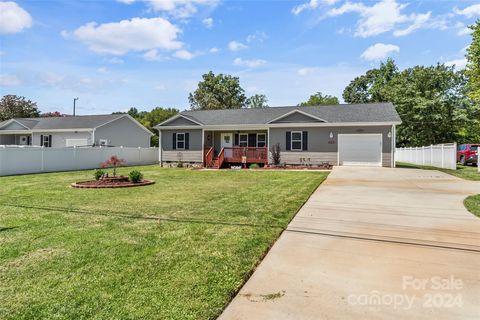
point(49, 140)
point(187, 140)
point(237, 139)
point(174, 143)
point(305, 140)
point(252, 139)
point(41, 140)
point(288, 140)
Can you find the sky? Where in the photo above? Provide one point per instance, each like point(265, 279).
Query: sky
point(117, 54)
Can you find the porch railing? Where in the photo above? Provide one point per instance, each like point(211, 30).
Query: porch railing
point(208, 158)
point(251, 154)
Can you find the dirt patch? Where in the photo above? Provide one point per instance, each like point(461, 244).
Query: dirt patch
point(110, 184)
point(264, 297)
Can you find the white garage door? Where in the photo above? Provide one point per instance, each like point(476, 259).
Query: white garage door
point(360, 149)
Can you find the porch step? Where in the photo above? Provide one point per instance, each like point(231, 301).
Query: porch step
point(214, 164)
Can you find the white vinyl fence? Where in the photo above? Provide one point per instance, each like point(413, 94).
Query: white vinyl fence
point(439, 155)
point(16, 160)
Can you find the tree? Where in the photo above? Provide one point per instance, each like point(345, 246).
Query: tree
point(217, 92)
point(156, 116)
point(52, 114)
point(472, 70)
point(12, 106)
point(318, 99)
point(370, 87)
point(430, 102)
point(257, 101)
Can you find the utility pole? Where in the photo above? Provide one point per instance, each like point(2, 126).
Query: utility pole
point(74, 100)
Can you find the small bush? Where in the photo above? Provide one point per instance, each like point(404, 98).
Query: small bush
point(98, 173)
point(135, 176)
point(179, 164)
point(275, 151)
point(253, 166)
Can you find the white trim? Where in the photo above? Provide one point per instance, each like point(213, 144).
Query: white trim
point(5, 132)
point(203, 146)
point(294, 111)
point(394, 146)
point(176, 141)
point(174, 118)
point(291, 141)
point(160, 147)
point(358, 134)
point(268, 145)
point(13, 120)
point(280, 125)
point(264, 134)
point(129, 117)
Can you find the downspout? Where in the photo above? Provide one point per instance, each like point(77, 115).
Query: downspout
point(93, 137)
point(160, 147)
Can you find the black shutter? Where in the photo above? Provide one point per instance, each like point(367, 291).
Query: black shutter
point(237, 141)
point(49, 140)
point(41, 140)
point(252, 139)
point(187, 140)
point(288, 140)
point(305, 140)
point(174, 142)
point(29, 140)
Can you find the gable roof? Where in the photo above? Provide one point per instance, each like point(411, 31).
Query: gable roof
point(68, 122)
point(341, 113)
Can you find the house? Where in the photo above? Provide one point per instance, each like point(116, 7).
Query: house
point(345, 134)
point(58, 132)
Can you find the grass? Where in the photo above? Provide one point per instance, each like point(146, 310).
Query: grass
point(472, 204)
point(179, 249)
point(464, 172)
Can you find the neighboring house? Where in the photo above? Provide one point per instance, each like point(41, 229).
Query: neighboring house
point(346, 134)
point(58, 132)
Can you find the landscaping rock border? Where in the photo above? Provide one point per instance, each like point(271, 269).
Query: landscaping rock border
point(94, 184)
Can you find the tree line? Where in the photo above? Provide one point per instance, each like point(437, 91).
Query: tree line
point(437, 103)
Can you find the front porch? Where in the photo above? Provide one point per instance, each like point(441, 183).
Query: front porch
point(21, 139)
point(225, 148)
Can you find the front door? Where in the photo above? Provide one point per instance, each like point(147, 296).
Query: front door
point(226, 140)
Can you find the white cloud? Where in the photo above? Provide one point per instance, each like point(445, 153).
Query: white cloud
point(259, 36)
point(382, 17)
point(52, 79)
point(306, 71)
point(184, 55)
point(214, 50)
point(379, 51)
point(13, 18)
point(458, 63)
point(114, 60)
point(160, 87)
point(102, 70)
point(177, 8)
point(137, 34)
point(419, 21)
point(9, 80)
point(152, 55)
point(235, 46)
point(208, 23)
point(311, 5)
point(463, 30)
point(249, 63)
point(469, 12)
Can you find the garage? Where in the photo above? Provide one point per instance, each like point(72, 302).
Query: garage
point(360, 149)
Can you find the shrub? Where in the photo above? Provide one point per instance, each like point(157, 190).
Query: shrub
point(114, 162)
point(135, 176)
point(275, 150)
point(253, 166)
point(179, 164)
point(98, 173)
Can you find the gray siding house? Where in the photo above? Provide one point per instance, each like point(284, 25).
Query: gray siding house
point(346, 134)
point(59, 132)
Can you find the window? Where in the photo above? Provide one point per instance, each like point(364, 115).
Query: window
point(243, 140)
point(474, 148)
point(296, 142)
point(261, 140)
point(46, 140)
point(181, 141)
point(103, 142)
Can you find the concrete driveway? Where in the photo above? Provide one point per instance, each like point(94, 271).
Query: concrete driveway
point(372, 243)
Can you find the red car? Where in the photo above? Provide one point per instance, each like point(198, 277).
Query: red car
point(467, 153)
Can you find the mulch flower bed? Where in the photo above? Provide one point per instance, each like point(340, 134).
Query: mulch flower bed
point(112, 182)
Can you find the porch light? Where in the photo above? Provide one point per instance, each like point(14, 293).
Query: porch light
point(389, 134)
point(331, 135)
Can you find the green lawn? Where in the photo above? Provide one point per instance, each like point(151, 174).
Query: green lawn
point(178, 249)
point(464, 172)
point(472, 204)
